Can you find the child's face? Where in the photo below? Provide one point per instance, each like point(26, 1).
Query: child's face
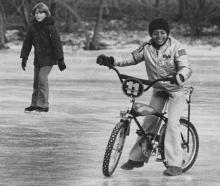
point(39, 16)
point(159, 36)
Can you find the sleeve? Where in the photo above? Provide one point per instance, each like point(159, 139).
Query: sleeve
point(27, 45)
point(133, 58)
point(56, 44)
point(184, 70)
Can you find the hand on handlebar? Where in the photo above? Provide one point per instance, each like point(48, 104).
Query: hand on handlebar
point(173, 80)
point(177, 79)
point(105, 60)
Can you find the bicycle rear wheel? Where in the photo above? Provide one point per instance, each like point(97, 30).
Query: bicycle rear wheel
point(190, 150)
point(114, 149)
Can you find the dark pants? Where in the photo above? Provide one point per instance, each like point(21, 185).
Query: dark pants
point(40, 94)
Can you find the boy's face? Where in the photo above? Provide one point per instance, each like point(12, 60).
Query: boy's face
point(159, 36)
point(39, 16)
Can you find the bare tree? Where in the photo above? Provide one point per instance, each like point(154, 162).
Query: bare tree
point(2, 25)
point(53, 7)
point(22, 8)
point(74, 12)
point(91, 43)
point(180, 9)
point(96, 37)
point(69, 17)
point(156, 7)
point(24, 11)
point(197, 13)
point(153, 8)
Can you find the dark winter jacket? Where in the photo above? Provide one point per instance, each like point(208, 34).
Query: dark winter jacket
point(44, 37)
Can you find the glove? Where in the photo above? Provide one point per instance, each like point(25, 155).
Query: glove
point(61, 65)
point(105, 60)
point(23, 63)
point(177, 79)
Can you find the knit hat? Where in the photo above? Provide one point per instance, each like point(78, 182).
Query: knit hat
point(159, 23)
point(42, 8)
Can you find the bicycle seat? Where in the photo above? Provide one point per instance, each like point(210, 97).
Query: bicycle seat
point(142, 109)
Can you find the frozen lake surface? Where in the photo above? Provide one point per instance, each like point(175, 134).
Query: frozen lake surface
point(66, 146)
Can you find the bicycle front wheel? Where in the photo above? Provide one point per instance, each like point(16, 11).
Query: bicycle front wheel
point(114, 149)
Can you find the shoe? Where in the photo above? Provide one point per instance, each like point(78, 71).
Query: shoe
point(30, 109)
point(130, 164)
point(41, 109)
point(173, 171)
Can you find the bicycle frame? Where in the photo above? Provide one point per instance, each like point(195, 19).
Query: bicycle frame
point(160, 116)
point(152, 144)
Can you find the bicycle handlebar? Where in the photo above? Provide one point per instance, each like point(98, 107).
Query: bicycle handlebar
point(144, 81)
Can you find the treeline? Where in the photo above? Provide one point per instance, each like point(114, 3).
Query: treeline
point(90, 17)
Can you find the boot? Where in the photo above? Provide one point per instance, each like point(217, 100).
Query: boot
point(30, 109)
point(130, 164)
point(173, 171)
point(40, 109)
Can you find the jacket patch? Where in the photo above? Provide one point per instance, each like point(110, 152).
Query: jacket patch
point(182, 52)
point(166, 56)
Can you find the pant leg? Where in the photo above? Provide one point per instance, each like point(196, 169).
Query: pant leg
point(35, 87)
point(173, 150)
point(149, 124)
point(43, 93)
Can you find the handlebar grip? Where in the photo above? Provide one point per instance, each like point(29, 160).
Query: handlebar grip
point(166, 79)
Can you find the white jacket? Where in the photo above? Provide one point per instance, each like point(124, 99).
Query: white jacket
point(169, 60)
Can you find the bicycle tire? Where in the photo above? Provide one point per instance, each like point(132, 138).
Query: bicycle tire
point(194, 139)
point(117, 137)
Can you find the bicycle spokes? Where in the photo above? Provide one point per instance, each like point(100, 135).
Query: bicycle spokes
point(114, 149)
point(117, 148)
point(189, 146)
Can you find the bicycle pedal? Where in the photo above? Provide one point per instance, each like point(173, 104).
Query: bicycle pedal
point(139, 132)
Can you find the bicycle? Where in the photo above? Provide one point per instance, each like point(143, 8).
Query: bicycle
point(152, 144)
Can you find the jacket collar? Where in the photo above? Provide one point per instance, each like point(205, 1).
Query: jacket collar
point(158, 47)
point(162, 48)
point(47, 21)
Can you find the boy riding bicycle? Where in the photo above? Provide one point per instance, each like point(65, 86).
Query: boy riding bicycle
point(164, 57)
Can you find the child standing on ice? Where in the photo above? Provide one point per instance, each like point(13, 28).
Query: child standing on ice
point(48, 51)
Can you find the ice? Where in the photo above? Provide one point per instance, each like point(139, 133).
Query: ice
point(66, 145)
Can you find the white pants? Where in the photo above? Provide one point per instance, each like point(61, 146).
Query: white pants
point(173, 150)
